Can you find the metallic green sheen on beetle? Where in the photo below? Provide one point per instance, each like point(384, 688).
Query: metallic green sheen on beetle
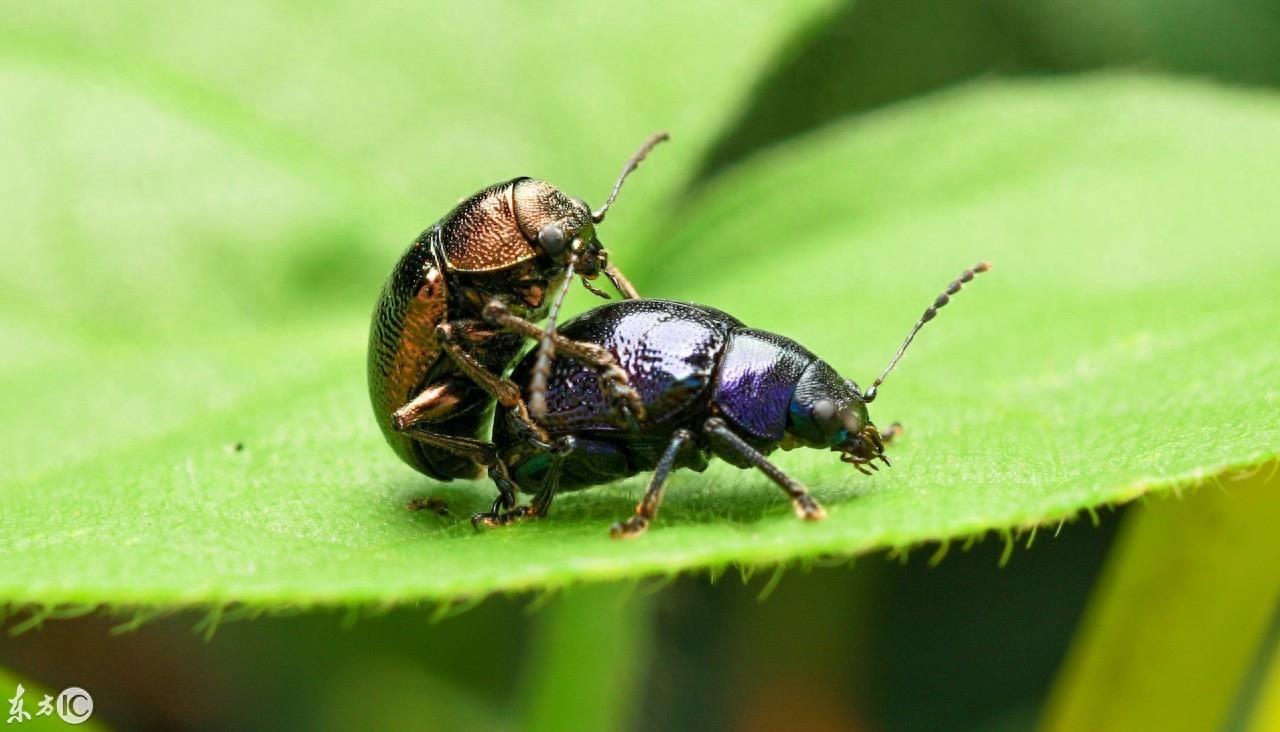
point(455, 311)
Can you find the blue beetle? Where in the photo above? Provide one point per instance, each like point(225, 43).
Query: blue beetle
point(710, 386)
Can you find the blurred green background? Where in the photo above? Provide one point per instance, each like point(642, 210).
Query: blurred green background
point(238, 180)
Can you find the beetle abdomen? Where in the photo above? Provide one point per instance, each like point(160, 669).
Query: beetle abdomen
point(403, 350)
point(668, 349)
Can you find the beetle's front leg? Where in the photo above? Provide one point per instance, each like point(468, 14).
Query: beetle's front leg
point(451, 336)
point(804, 504)
point(620, 282)
point(614, 383)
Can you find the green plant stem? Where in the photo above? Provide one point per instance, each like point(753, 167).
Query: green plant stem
point(588, 660)
point(1265, 714)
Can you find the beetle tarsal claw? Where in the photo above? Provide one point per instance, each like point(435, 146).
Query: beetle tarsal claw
point(494, 519)
point(629, 529)
point(808, 509)
point(620, 395)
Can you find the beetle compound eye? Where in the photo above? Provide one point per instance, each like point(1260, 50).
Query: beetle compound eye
point(824, 414)
point(589, 267)
point(552, 239)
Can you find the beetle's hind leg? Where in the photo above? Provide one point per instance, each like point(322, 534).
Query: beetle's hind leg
point(507, 488)
point(434, 403)
point(647, 509)
point(614, 383)
point(504, 504)
point(804, 504)
point(478, 450)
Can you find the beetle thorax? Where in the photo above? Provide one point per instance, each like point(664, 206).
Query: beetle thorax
point(538, 204)
point(524, 289)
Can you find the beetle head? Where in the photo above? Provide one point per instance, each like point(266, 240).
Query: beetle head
point(524, 219)
point(563, 229)
point(828, 411)
point(558, 226)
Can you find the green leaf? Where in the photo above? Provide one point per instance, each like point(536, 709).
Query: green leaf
point(199, 210)
point(1119, 346)
point(836, 66)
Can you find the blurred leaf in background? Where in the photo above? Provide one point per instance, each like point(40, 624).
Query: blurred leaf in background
point(1189, 606)
point(869, 54)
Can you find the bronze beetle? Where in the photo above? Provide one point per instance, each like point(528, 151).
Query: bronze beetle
point(454, 313)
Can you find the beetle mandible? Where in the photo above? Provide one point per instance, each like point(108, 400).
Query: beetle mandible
point(452, 317)
point(711, 386)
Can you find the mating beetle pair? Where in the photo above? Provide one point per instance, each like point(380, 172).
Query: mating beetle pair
point(641, 385)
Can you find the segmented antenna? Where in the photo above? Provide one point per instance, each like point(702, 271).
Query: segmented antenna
point(631, 165)
point(929, 314)
point(547, 346)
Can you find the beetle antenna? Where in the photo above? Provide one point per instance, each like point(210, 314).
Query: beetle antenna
point(547, 347)
point(631, 165)
point(929, 314)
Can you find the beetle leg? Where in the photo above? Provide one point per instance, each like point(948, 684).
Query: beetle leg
point(547, 344)
point(559, 451)
point(502, 505)
point(647, 509)
point(434, 403)
point(804, 504)
point(504, 390)
point(541, 503)
point(436, 505)
point(477, 450)
point(620, 282)
point(614, 383)
point(594, 290)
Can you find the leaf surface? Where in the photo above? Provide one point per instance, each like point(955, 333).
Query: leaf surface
point(184, 424)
